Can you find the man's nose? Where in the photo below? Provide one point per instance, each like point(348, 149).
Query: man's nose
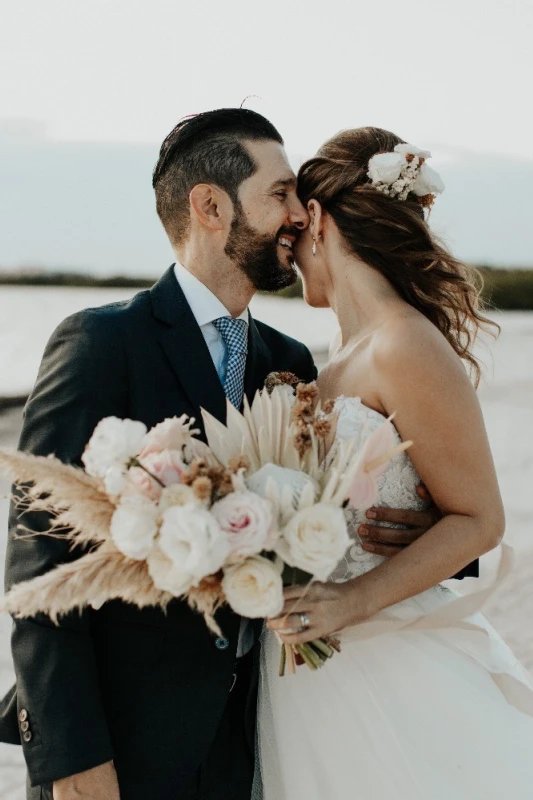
point(298, 215)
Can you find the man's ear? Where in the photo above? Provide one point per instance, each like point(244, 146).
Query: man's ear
point(207, 205)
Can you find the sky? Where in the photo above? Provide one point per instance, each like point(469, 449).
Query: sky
point(453, 76)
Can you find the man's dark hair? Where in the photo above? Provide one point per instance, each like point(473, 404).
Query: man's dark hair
point(206, 148)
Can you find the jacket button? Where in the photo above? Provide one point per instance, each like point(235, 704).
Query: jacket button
point(24, 726)
point(222, 643)
point(28, 736)
point(23, 716)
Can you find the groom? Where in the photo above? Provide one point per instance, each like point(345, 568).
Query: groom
point(139, 704)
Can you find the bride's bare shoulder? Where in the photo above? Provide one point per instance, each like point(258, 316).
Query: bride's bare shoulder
point(409, 344)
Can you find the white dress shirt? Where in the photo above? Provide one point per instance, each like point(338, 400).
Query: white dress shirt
point(206, 307)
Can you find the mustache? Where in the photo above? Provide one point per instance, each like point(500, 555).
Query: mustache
point(290, 230)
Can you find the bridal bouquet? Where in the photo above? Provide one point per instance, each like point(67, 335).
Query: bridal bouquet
point(161, 515)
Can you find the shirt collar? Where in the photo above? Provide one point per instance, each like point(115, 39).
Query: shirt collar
point(204, 305)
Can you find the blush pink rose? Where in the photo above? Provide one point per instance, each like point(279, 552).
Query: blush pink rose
point(167, 466)
point(248, 521)
point(140, 482)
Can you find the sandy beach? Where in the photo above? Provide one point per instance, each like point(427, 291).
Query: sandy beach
point(506, 396)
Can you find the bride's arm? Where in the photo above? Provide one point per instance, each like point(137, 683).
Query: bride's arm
point(421, 378)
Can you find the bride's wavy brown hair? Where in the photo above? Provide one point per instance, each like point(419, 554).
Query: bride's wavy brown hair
point(393, 237)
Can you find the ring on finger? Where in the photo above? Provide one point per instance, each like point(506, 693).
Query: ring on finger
point(303, 626)
point(304, 621)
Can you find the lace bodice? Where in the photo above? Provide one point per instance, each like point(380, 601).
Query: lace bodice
point(397, 485)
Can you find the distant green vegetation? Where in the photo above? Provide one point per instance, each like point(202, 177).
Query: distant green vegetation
point(75, 279)
point(508, 289)
point(505, 289)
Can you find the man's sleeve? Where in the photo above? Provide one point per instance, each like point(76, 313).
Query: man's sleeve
point(63, 728)
point(309, 371)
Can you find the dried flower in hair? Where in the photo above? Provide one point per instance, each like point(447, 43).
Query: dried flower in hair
point(426, 201)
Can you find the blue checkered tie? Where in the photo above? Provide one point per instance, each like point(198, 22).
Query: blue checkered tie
point(234, 332)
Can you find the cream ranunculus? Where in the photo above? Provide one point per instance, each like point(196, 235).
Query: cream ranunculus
point(411, 149)
point(193, 540)
point(134, 526)
point(167, 575)
point(428, 181)
point(248, 521)
point(254, 588)
point(314, 540)
point(171, 434)
point(113, 444)
point(386, 167)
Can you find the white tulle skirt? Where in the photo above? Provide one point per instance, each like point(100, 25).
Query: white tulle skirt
point(418, 705)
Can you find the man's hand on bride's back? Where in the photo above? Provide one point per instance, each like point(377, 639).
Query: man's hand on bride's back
point(388, 541)
point(99, 783)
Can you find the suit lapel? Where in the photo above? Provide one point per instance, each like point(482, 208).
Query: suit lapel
point(185, 347)
point(259, 362)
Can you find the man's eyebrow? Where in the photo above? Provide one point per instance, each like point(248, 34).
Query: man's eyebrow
point(288, 183)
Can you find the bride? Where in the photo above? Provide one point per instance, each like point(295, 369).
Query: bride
point(440, 709)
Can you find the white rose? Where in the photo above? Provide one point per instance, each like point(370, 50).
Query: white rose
point(248, 521)
point(193, 540)
point(385, 167)
point(411, 149)
point(428, 181)
point(114, 443)
point(166, 575)
point(315, 540)
point(134, 526)
point(171, 434)
point(254, 588)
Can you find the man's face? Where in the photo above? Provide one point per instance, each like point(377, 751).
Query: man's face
point(268, 220)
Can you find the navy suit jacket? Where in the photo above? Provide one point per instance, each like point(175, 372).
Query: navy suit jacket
point(141, 687)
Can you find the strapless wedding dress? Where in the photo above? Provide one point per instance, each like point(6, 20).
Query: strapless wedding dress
point(423, 703)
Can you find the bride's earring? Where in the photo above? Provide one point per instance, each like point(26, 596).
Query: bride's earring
point(313, 249)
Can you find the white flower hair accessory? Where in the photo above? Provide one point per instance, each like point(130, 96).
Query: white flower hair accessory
point(403, 171)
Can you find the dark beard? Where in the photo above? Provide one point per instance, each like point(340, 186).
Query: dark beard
point(256, 255)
